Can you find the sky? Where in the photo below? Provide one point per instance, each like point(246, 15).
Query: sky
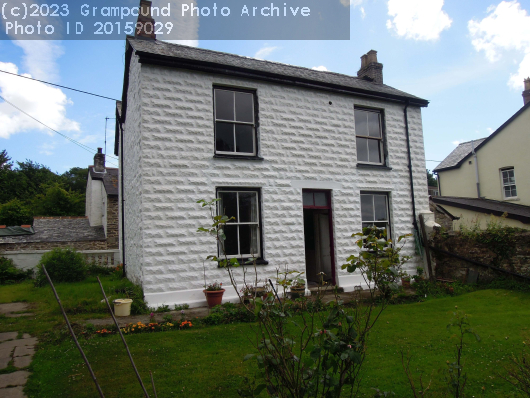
point(468, 58)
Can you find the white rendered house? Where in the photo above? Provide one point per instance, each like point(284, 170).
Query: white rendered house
point(301, 158)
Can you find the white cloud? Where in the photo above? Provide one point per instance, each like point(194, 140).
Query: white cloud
point(47, 148)
point(45, 103)
point(363, 13)
point(40, 58)
point(456, 143)
point(506, 28)
point(264, 52)
point(418, 19)
point(320, 68)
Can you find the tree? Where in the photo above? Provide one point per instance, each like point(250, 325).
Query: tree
point(76, 179)
point(59, 202)
point(14, 213)
point(432, 181)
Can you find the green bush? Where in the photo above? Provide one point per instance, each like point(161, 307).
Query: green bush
point(15, 213)
point(126, 289)
point(228, 313)
point(10, 274)
point(63, 265)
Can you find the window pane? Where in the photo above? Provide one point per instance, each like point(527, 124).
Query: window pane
point(308, 198)
point(373, 124)
point(362, 150)
point(224, 105)
point(248, 239)
point(367, 208)
point(228, 204)
point(230, 244)
point(248, 207)
point(380, 208)
point(361, 122)
point(507, 192)
point(244, 107)
point(321, 199)
point(373, 150)
point(244, 138)
point(224, 137)
point(514, 191)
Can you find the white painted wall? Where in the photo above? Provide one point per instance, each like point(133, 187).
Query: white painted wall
point(305, 143)
point(94, 204)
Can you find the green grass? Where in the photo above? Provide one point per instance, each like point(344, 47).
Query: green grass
point(208, 361)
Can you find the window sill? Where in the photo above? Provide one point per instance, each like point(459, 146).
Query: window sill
point(373, 166)
point(216, 156)
point(259, 261)
point(512, 199)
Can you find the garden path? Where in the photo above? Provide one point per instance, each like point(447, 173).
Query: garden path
point(16, 353)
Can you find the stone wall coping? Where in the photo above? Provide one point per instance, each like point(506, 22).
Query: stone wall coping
point(45, 251)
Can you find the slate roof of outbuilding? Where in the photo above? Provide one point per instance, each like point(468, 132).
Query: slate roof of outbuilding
point(59, 229)
point(203, 56)
point(458, 154)
point(487, 206)
point(110, 179)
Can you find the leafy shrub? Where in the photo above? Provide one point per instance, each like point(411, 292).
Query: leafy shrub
point(228, 313)
point(63, 265)
point(98, 269)
point(10, 274)
point(14, 213)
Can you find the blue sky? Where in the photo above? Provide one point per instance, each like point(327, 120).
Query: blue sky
point(468, 58)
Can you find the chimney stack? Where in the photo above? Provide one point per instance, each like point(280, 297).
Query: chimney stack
point(371, 70)
point(526, 92)
point(145, 27)
point(99, 161)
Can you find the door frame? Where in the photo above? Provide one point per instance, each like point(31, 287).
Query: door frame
point(327, 192)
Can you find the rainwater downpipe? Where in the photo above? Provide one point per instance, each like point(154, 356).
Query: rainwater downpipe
point(414, 223)
point(122, 201)
point(476, 167)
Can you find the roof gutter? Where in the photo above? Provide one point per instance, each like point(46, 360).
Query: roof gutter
point(405, 113)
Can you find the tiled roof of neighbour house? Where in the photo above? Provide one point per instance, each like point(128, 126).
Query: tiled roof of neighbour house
point(188, 56)
point(458, 155)
point(110, 179)
point(487, 206)
point(59, 229)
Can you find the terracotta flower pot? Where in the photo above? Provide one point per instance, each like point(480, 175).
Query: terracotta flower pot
point(214, 297)
point(297, 292)
point(405, 282)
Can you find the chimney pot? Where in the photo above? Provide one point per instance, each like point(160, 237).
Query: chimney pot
point(526, 92)
point(145, 23)
point(371, 69)
point(99, 161)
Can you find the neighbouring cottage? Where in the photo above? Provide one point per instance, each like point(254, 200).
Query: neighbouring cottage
point(489, 176)
point(95, 235)
point(301, 158)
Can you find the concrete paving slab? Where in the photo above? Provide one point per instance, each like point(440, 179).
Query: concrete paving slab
point(26, 336)
point(19, 315)
point(13, 307)
point(4, 361)
point(21, 351)
point(8, 336)
point(29, 341)
point(22, 362)
point(17, 378)
point(15, 392)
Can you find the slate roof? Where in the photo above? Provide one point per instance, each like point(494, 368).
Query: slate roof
point(487, 206)
point(110, 179)
point(272, 69)
point(458, 155)
point(59, 229)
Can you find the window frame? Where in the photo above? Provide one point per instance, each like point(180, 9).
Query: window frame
point(242, 258)
point(503, 185)
point(254, 124)
point(382, 140)
point(387, 202)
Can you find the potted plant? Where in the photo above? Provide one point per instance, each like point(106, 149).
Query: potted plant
point(405, 281)
point(246, 292)
point(214, 294)
point(297, 288)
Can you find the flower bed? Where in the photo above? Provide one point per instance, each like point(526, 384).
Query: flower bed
point(139, 327)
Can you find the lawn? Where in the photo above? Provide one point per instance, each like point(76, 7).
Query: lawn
point(208, 361)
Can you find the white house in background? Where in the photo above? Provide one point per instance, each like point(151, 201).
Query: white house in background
point(301, 158)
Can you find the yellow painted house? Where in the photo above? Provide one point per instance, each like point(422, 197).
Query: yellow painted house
point(490, 176)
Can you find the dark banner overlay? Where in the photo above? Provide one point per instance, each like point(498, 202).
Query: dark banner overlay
point(176, 19)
